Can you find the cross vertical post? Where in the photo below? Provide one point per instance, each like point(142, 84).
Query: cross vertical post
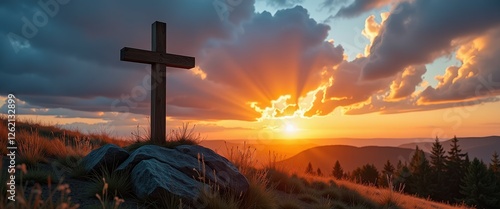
point(159, 60)
point(159, 90)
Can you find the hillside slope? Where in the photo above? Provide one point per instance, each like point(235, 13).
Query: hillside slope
point(350, 157)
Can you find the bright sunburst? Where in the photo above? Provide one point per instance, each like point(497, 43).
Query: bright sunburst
point(290, 128)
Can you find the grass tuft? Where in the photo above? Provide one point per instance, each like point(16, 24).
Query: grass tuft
point(289, 205)
point(308, 198)
point(117, 182)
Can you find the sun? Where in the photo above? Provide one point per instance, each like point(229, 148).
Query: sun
point(290, 128)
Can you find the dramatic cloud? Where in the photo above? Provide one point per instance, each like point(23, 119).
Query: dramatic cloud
point(475, 81)
point(277, 55)
point(244, 62)
point(68, 60)
point(359, 7)
point(372, 29)
point(346, 88)
point(248, 65)
point(283, 3)
point(477, 77)
point(405, 84)
point(417, 32)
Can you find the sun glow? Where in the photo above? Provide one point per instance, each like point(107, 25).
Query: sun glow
point(290, 128)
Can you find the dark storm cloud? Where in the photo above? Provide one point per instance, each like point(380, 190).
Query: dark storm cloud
point(358, 7)
point(73, 61)
point(69, 57)
point(417, 32)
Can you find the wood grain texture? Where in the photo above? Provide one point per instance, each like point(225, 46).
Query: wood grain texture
point(149, 57)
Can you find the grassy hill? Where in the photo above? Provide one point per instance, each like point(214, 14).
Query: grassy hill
point(50, 169)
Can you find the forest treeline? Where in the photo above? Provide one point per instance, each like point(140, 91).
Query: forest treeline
point(446, 176)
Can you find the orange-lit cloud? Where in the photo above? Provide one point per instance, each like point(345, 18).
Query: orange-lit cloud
point(267, 71)
point(412, 35)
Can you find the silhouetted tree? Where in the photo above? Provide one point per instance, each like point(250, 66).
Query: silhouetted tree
point(402, 177)
point(368, 174)
point(419, 180)
point(478, 186)
point(309, 169)
point(387, 174)
point(337, 171)
point(495, 163)
point(438, 187)
point(318, 172)
point(399, 166)
point(455, 169)
point(495, 170)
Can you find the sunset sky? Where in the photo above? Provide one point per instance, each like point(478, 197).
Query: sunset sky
point(265, 69)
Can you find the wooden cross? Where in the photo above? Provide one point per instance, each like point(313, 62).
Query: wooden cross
point(159, 60)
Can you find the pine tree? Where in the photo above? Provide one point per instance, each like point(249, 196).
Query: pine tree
point(401, 177)
point(368, 174)
point(337, 171)
point(309, 169)
point(438, 162)
point(318, 172)
point(495, 163)
point(420, 170)
point(478, 186)
point(399, 166)
point(387, 174)
point(455, 169)
point(495, 170)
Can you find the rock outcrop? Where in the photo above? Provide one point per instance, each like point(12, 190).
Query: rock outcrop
point(107, 156)
point(183, 171)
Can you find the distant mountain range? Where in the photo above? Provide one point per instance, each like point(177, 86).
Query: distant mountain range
point(350, 157)
point(295, 155)
point(480, 147)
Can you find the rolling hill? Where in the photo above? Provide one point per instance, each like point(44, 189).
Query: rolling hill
point(480, 147)
point(350, 157)
point(263, 151)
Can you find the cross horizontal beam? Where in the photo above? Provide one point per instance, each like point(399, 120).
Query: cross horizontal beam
point(151, 57)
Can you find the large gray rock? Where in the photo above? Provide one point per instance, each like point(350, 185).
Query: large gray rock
point(106, 156)
point(188, 165)
point(228, 176)
point(152, 178)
